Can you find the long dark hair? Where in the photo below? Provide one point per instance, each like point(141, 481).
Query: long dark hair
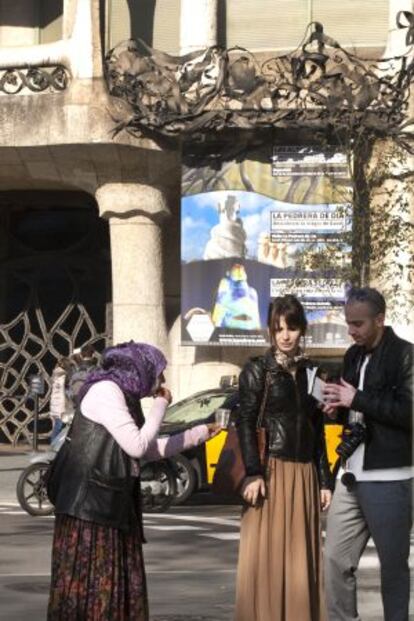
point(289, 307)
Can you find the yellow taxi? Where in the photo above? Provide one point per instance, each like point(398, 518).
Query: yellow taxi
point(195, 467)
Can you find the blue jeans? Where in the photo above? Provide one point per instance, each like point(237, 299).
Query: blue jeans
point(57, 428)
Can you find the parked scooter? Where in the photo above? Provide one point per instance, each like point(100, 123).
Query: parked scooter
point(158, 482)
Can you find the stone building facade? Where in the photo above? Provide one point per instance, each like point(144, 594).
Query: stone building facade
point(89, 220)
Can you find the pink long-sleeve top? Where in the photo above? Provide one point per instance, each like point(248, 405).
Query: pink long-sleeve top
point(104, 403)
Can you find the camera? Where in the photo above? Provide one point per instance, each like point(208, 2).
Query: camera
point(352, 437)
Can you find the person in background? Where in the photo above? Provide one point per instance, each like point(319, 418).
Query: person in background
point(373, 497)
point(279, 576)
point(83, 361)
point(60, 405)
point(68, 377)
point(97, 563)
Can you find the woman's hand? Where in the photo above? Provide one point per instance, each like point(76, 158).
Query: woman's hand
point(252, 489)
point(164, 392)
point(326, 497)
point(213, 429)
point(330, 411)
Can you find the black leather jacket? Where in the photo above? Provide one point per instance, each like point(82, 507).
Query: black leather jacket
point(292, 418)
point(386, 400)
point(91, 477)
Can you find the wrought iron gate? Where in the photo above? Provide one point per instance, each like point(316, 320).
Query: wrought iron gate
point(54, 296)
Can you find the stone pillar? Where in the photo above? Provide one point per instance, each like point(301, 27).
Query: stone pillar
point(135, 213)
point(85, 42)
point(69, 11)
point(198, 24)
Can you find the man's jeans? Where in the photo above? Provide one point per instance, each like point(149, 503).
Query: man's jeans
point(57, 428)
point(382, 510)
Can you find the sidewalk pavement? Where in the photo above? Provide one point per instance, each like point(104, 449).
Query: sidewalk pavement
point(12, 462)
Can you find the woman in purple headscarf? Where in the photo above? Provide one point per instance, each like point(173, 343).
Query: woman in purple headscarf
point(97, 565)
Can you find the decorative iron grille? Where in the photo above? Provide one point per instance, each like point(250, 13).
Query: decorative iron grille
point(34, 79)
point(53, 300)
point(320, 86)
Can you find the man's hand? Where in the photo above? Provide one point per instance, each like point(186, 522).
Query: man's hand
point(339, 395)
point(252, 489)
point(326, 497)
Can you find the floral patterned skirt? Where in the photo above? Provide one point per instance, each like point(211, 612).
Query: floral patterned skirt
point(97, 573)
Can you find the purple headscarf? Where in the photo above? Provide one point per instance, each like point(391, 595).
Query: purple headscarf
point(134, 367)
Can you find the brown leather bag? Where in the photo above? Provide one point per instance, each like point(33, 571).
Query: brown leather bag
point(230, 470)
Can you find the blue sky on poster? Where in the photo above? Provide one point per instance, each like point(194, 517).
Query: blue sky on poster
point(199, 214)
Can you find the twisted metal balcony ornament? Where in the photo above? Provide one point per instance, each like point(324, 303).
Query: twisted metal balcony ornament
point(405, 19)
point(319, 86)
point(34, 79)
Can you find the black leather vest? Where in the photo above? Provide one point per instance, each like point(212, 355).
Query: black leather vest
point(91, 477)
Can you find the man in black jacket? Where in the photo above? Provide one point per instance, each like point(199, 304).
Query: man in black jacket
point(374, 486)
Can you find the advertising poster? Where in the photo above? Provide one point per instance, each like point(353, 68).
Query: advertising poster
point(272, 222)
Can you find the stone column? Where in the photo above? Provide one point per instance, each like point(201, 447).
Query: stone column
point(198, 24)
point(135, 213)
point(85, 42)
point(69, 12)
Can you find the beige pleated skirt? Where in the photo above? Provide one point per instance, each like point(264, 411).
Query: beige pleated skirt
point(279, 575)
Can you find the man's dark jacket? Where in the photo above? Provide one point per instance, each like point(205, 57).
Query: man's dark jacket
point(386, 400)
point(291, 416)
point(91, 478)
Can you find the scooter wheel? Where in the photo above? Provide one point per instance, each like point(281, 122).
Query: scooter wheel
point(158, 486)
point(31, 490)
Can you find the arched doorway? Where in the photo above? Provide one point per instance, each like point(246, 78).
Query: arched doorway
point(55, 295)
